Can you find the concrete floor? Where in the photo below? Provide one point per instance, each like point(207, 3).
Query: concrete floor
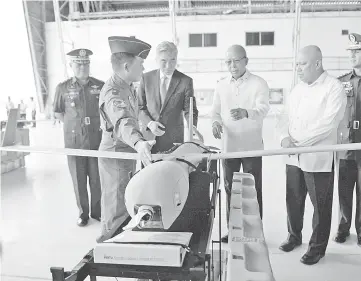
point(39, 214)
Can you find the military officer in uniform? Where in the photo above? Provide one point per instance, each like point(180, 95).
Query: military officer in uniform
point(350, 132)
point(120, 125)
point(76, 104)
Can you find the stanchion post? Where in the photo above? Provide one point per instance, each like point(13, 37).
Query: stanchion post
point(219, 232)
point(190, 122)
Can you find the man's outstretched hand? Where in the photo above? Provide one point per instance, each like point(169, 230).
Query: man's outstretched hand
point(144, 150)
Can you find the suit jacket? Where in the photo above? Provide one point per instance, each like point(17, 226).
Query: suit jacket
point(170, 114)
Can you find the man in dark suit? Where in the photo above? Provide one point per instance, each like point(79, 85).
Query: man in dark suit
point(163, 95)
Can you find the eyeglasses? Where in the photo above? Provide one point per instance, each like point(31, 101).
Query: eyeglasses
point(237, 61)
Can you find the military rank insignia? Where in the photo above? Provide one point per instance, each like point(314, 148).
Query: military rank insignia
point(347, 86)
point(119, 104)
point(82, 53)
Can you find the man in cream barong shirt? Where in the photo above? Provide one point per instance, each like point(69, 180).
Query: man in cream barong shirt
point(313, 112)
point(240, 104)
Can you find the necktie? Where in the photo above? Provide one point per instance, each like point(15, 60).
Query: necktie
point(163, 89)
point(133, 90)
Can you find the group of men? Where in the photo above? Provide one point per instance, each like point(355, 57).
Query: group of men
point(113, 116)
point(23, 107)
point(320, 110)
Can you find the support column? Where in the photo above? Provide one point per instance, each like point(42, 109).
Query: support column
point(60, 35)
point(296, 40)
point(172, 14)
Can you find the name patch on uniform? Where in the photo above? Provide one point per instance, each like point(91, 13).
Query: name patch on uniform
point(73, 94)
point(115, 92)
point(94, 90)
point(119, 104)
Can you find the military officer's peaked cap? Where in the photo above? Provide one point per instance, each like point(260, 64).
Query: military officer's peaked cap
point(131, 45)
point(355, 41)
point(80, 56)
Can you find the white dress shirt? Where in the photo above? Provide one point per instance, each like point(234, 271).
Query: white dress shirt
point(9, 105)
point(169, 77)
point(32, 105)
point(311, 117)
point(161, 79)
point(249, 92)
point(22, 107)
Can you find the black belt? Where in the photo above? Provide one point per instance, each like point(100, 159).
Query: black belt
point(87, 120)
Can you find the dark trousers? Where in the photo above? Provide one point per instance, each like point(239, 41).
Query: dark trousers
point(252, 165)
point(319, 186)
point(349, 177)
point(80, 169)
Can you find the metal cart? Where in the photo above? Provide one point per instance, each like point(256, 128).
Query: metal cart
point(198, 214)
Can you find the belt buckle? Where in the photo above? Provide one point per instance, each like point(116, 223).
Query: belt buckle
point(356, 125)
point(87, 121)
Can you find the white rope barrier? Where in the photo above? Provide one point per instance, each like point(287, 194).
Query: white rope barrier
point(31, 121)
point(189, 156)
point(71, 151)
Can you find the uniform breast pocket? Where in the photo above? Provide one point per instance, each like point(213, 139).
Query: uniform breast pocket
point(94, 105)
point(350, 99)
point(72, 104)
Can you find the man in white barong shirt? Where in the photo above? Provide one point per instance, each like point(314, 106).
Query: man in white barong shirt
point(240, 104)
point(313, 112)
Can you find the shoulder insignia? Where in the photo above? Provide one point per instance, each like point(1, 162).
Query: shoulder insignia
point(343, 75)
point(97, 81)
point(64, 83)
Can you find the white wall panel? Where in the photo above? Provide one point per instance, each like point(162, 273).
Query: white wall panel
point(322, 29)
